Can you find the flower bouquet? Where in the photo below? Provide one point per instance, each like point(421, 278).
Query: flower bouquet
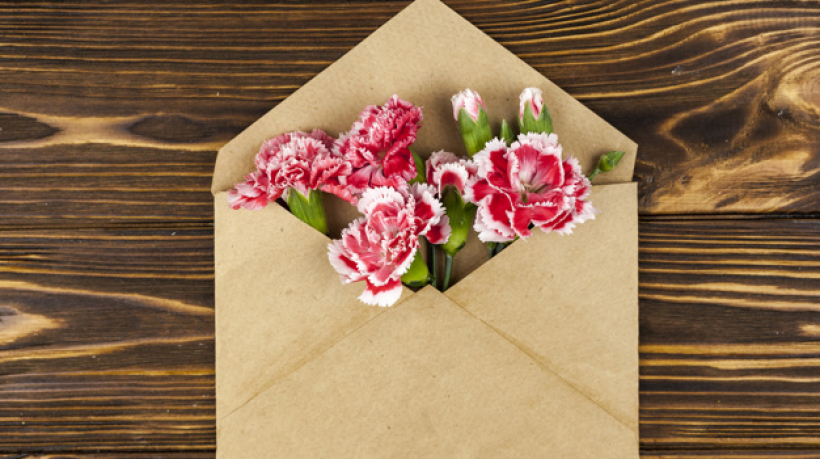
point(503, 339)
point(505, 187)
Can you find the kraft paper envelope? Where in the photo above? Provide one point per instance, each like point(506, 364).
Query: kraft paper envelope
point(533, 354)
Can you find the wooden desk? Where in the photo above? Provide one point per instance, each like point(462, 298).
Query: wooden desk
point(111, 114)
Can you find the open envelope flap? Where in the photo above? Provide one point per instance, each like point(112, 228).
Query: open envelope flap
point(572, 302)
point(279, 301)
point(424, 379)
point(426, 54)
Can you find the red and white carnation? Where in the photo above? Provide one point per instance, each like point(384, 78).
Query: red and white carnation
point(295, 160)
point(378, 146)
point(380, 247)
point(468, 100)
point(445, 169)
point(527, 185)
point(252, 194)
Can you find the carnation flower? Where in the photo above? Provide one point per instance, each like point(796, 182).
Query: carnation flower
point(378, 146)
point(446, 169)
point(527, 185)
point(296, 160)
point(380, 247)
point(251, 194)
point(470, 101)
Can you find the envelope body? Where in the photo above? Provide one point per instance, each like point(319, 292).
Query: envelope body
point(533, 354)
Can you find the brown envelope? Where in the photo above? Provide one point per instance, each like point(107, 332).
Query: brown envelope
point(533, 354)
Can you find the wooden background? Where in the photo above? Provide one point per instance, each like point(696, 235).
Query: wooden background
point(111, 114)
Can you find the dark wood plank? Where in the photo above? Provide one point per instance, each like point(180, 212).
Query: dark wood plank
point(725, 454)
point(163, 455)
point(107, 110)
point(106, 340)
point(730, 334)
point(731, 454)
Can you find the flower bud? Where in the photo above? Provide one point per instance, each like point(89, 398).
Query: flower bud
point(607, 163)
point(470, 101)
point(473, 122)
point(610, 160)
point(533, 115)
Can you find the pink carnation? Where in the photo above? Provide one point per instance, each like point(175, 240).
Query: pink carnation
point(378, 145)
point(380, 247)
point(295, 160)
point(527, 185)
point(445, 169)
point(251, 194)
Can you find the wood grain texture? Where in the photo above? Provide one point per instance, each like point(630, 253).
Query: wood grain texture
point(726, 454)
point(732, 454)
point(111, 114)
point(163, 455)
point(730, 334)
point(107, 110)
point(106, 340)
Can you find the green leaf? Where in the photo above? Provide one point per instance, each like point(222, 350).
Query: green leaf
point(420, 174)
point(308, 209)
point(507, 133)
point(461, 217)
point(474, 133)
point(418, 274)
point(528, 123)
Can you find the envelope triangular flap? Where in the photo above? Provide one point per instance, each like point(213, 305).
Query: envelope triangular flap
point(425, 54)
point(424, 379)
point(572, 302)
point(279, 302)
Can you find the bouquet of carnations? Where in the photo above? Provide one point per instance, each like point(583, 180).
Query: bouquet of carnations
point(506, 186)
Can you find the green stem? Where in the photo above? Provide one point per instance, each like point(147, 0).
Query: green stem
point(499, 246)
point(431, 250)
point(448, 271)
point(593, 174)
point(491, 248)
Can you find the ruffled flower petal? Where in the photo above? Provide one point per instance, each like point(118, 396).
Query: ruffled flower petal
point(377, 146)
point(298, 160)
point(381, 246)
point(440, 232)
point(382, 295)
point(252, 194)
point(444, 169)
